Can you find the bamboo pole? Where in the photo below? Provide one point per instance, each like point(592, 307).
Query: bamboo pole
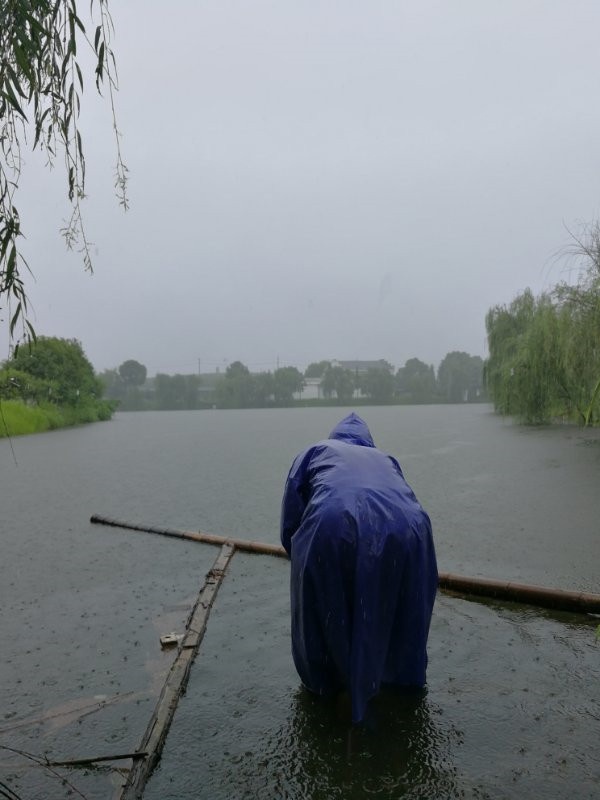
point(557, 599)
point(542, 596)
point(243, 545)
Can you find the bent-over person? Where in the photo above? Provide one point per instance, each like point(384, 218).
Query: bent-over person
point(363, 568)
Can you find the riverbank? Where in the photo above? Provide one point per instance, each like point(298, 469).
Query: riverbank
point(18, 418)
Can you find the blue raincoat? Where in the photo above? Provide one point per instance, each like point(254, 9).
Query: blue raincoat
point(363, 568)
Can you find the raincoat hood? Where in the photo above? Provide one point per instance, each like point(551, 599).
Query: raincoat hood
point(354, 430)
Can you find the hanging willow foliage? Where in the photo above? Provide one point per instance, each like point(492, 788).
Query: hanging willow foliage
point(41, 84)
point(544, 357)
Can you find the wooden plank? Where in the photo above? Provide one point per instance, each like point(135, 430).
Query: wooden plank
point(86, 762)
point(154, 738)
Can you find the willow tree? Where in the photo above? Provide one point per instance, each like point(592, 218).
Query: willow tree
point(41, 86)
point(545, 352)
point(506, 327)
point(579, 309)
point(524, 370)
point(539, 378)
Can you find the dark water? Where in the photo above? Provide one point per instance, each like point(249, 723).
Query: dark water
point(512, 707)
point(511, 711)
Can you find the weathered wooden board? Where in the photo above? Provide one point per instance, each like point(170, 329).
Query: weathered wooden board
point(154, 738)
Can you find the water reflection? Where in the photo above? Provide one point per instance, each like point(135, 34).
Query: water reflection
point(404, 749)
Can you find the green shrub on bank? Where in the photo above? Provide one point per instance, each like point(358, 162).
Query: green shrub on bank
point(18, 418)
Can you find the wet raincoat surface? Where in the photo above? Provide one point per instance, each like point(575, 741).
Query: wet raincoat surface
point(363, 568)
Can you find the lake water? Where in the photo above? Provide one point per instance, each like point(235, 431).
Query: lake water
point(512, 706)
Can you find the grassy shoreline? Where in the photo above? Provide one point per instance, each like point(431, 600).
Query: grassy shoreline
point(19, 419)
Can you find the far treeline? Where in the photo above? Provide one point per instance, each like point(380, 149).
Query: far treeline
point(543, 365)
point(544, 352)
point(458, 379)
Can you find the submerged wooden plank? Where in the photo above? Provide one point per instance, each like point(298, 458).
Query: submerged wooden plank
point(86, 762)
point(154, 738)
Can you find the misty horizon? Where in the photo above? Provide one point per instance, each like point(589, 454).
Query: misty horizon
point(362, 181)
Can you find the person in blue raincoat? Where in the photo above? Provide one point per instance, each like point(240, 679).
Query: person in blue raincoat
point(363, 568)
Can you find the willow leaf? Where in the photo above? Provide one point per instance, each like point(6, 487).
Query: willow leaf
point(23, 62)
point(15, 317)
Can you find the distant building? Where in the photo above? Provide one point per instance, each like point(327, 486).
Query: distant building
point(362, 367)
point(311, 390)
point(312, 386)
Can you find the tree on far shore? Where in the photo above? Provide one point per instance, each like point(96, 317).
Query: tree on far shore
point(58, 365)
point(132, 373)
point(287, 381)
point(378, 384)
point(338, 381)
point(416, 382)
point(460, 377)
point(317, 369)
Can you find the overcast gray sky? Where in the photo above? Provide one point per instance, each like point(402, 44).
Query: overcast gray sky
point(322, 179)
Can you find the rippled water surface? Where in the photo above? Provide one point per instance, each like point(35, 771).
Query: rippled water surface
point(511, 710)
point(512, 706)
